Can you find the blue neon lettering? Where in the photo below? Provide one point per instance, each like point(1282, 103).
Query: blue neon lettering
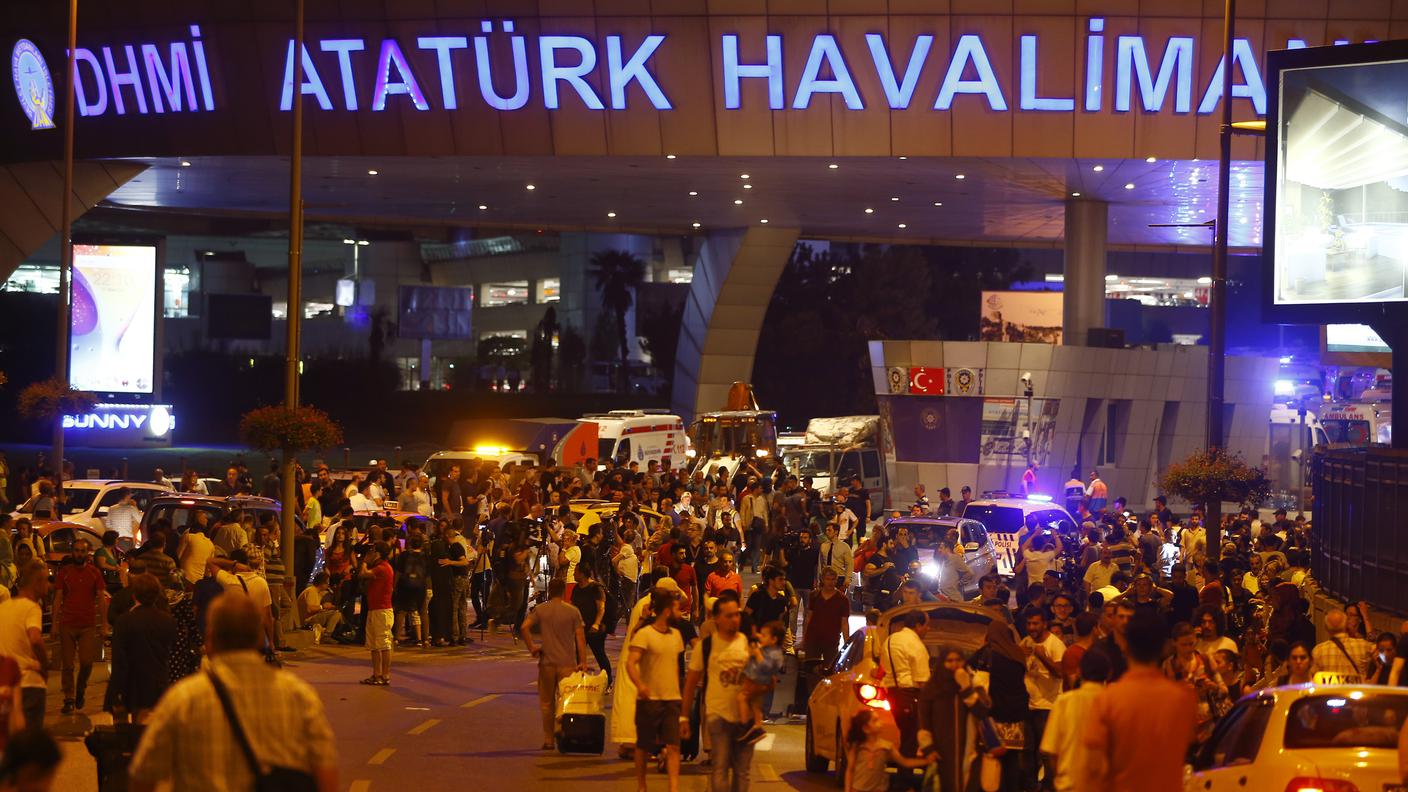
point(1131, 57)
point(486, 72)
point(825, 50)
point(898, 95)
point(572, 75)
point(198, 47)
point(1029, 100)
point(132, 77)
point(970, 49)
point(1252, 88)
point(344, 49)
point(442, 46)
point(80, 93)
point(621, 75)
point(734, 71)
point(312, 84)
point(391, 55)
point(1095, 66)
point(169, 82)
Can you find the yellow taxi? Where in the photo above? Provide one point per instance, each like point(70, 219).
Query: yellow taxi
point(852, 682)
point(590, 513)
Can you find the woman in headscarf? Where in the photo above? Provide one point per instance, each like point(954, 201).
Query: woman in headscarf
point(1006, 664)
point(944, 718)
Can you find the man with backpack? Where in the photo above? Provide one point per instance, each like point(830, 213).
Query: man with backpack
point(717, 666)
point(590, 599)
point(412, 576)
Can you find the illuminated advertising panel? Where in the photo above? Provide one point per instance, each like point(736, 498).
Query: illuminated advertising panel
point(1034, 317)
point(113, 321)
point(1339, 209)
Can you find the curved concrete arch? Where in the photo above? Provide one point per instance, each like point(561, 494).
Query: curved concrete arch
point(734, 278)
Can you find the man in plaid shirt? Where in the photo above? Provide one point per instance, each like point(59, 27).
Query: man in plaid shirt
point(1343, 656)
point(188, 740)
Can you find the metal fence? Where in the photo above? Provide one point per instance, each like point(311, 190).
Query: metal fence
point(1360, 534)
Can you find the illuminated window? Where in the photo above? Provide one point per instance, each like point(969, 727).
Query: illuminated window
point(36, 278)
point(493, 295)
point(176, 293)
point(549, 290)
point(679, 275)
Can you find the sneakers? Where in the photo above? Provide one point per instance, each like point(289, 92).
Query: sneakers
point(78, 702)
point(68, 707)
point(752, 736)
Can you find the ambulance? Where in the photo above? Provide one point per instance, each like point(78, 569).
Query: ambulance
point(643, 436)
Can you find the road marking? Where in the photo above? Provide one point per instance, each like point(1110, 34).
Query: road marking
point(359, 786)
point(766, 772)
point(480, 700)
point(424, 727)
point(766, 743)
point(381, 756)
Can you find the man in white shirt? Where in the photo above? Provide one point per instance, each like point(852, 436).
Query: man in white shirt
point(1098, 574)
point(1193, 538)
point(1061, 743)
point(236, 576)
point(414, 498)
point(846, 522)
point(906, 664)
point(727, 654)
point(22, 637)
point(124, 516)
point(361, 498)
point(1044, 682)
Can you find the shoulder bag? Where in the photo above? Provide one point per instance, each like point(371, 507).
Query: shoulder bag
point(267, 778)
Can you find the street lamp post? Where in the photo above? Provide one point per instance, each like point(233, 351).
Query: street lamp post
point(61, 340)
point(1217, 293)
point(295, 292)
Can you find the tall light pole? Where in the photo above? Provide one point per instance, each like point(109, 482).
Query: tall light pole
point(295, 291)
point(61, 338)
point(357, 245)
point(1217, 294)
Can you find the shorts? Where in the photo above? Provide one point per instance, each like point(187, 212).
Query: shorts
point(657, 723)
point(379, 632)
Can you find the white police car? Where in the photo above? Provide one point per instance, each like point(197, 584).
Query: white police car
point(1007, 519)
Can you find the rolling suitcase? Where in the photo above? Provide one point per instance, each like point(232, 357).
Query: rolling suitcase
point(581, 713)
point(113, 746)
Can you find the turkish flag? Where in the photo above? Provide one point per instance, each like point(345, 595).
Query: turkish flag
point(926, 381)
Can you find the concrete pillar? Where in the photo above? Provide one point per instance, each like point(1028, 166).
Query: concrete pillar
point(733, 282)
point(1083, 304)
point(32, 221)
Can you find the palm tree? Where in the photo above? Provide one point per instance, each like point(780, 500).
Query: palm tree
point(617, 274)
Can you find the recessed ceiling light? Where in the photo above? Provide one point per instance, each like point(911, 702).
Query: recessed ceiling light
point(894, 198)
point(1151, 160)
point(747, 186)
point(904, 225)
point(1098, 168)
point(1129, 186)
point(743, 176)
point(904, 158)
point(669, 156)
point(833, 166)
point(694, 225)
point(483, 207)
point(764, 220)
point(938, 203)
point(959, 176)
point(371, 172)
point(185, 163)
point(869, 211)
point(737, 201)
point(530, 186)
point(1075, 195)
point(610, 214)
point(693, 192)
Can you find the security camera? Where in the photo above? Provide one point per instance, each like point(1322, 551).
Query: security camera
point(1026, 383)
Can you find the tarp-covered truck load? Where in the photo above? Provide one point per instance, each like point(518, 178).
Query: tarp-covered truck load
point(844, 431)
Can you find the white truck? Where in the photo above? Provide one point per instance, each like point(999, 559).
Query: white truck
point(835, 450)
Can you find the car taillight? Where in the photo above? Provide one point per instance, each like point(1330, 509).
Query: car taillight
point(1307, 784)
point(872, 695)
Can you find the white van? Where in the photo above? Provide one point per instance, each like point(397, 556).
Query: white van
point(626, 436)
point(440, 462)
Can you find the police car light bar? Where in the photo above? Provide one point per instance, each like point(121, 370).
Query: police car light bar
point(1042, 498)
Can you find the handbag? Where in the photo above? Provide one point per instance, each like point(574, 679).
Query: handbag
point(267, 778)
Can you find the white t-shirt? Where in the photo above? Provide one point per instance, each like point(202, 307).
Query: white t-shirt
point(360, 502)
point(1063, 735)
point(846, 522)
point(123, 518)
point(1209, 648)
point(659, 662)
point(16, 617)
point(258, 587)
point(627, 565)
point(1044, 685)
point(1038, 561)
point(726, 662)
point(312, 600)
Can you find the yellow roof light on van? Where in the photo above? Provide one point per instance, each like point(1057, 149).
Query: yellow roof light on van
point(490, 450)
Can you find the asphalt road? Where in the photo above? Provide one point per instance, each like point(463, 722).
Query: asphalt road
point(450, 717)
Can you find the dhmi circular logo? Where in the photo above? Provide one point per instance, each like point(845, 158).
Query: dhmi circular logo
point(33, 84)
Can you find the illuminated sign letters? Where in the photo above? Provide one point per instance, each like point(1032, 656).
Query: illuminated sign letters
point(121, 425)
point(512, 69)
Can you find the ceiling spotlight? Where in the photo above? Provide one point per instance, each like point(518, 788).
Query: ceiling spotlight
point(669, 156)
point(833, 166)
point(869, 211)
point(482, 207)
point(610, 214)
point(530, 186)
point(938, 203)
point(185, 163)
point(959, 176)
point(764, 220)
point(894, 198)
point(694, 225)
point(1129, 186)
point(693, 192)
point(1098, 168)
point(747, 186)
point(1151, 160)
point(737, 201)
point(743, 176)
point(904, 158)
point(371, 172)
point(1075, 195)
point(904, 225)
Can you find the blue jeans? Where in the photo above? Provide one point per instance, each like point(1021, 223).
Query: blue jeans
point(727, 757)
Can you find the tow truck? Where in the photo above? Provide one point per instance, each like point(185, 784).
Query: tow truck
point(726, 438)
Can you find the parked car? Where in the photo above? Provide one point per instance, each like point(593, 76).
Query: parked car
point(58, 537)
point(977, 547)
point(851, 684)
point(181, 510)
point(1340, 738)
point(86, 501)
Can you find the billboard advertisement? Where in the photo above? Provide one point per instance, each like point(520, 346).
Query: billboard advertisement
point(1340, 216)
point(1034, 317)
point(436, 312)
point(113, 318)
